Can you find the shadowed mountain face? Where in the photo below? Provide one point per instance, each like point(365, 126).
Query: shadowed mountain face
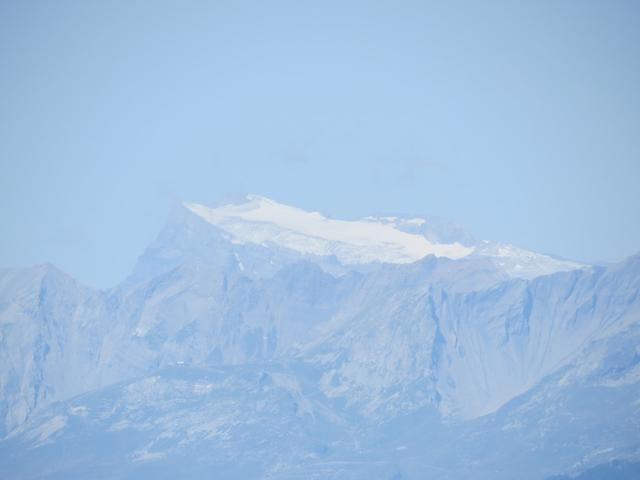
point(250, 345)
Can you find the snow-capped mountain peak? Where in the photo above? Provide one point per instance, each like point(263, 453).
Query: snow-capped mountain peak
point(373, 239)
point(260, 220)
point(237, 346)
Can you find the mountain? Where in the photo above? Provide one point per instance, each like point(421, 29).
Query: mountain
point(257, 340)
point(261, 221)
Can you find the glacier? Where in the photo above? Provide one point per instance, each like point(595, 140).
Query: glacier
point(256, 340)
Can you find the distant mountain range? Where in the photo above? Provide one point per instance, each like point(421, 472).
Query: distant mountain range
point(257, 340)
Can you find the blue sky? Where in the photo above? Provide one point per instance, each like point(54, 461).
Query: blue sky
point(519, 120)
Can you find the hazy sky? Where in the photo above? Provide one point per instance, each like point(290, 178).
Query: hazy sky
point(519, 120)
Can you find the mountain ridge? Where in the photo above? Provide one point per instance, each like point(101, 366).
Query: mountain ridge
point(459, 340)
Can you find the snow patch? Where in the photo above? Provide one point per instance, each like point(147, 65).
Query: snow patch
point(79, 410)
point(240, 265)
point(45, 431)
point(145, 456)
